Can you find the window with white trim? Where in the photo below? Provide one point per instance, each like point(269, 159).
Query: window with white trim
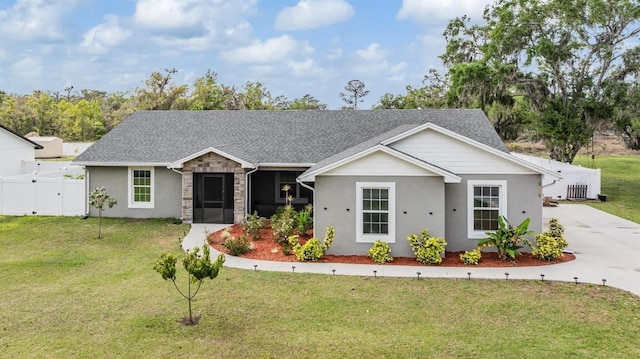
point(141, 187)
point(375, 211)
point(487, 201)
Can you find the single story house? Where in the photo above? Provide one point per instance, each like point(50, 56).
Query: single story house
point(15, 150)
point(372, 174)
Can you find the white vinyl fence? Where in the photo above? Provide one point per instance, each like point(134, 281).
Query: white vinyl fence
point(56, 193)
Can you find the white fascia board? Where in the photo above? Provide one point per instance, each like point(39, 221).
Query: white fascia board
point(277, 165)
point(448, 176)
point(482, 146)
point(120, 164)
point(180, 163)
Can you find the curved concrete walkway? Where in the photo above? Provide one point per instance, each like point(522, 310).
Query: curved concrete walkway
point(606, 247)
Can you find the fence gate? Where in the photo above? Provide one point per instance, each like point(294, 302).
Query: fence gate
point(42, 196)
point(577, 191)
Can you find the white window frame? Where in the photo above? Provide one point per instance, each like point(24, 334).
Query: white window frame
point(136, 204)
point(502, 208)
point(390, 237)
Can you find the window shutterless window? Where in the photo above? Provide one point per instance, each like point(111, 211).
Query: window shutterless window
point(141, 187)
point(375, 211)
point(487, 201)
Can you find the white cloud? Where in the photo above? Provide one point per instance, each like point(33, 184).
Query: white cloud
point(195, 25)
point(374, 62)
point(440, 11)
point(372, 53)
point(101, 38)
point(305, 68)
point(272, 50)
point(310, 14)
point(27, 66)
point(32, 20)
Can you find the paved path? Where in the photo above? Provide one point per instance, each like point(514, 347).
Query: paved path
point(606, 247)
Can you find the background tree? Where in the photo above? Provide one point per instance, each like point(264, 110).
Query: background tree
point(207, 94)
point(160, 93)
point(355, 93)
point(199, 267)
point(306, 102)
point(100, 199)
point(560, 55)
point(432, 94)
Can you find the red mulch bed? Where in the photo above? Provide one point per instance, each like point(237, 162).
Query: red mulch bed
point(266, 248)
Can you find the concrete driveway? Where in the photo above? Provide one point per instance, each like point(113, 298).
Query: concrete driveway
point(606, 247)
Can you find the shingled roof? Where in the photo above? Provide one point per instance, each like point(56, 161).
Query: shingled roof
point(258, 137)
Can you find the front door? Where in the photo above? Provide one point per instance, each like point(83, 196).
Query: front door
point(213, 198)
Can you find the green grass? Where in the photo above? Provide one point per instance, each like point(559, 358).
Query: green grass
point(67, 294)
point(620, 181)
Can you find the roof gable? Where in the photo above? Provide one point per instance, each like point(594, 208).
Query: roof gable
point(20, 137)
point(379, 160)
point(459, 154)
point(179, 163)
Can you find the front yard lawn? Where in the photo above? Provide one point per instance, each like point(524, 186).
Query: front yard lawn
point(67, 294)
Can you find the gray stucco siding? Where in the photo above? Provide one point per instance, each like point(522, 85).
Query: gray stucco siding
point(524, 201)
point(167, 192)
point(419, 205)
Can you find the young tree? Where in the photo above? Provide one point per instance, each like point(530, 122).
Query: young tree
point(99, 198)
point(355, 93)
point(199, 267)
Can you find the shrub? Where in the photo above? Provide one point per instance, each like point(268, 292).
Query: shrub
point(548, 248)
point(304, 220)
point(237, 246)
point(312, 250)
point(506, 239)
point(556, 230)
point(380, 252)
point(283, 224)
point(471, 257)
point(428, 250)
point(253, 225)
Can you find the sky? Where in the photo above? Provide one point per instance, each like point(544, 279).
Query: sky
point(294, 47)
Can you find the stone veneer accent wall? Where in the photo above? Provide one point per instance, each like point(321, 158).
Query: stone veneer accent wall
point(212, 163)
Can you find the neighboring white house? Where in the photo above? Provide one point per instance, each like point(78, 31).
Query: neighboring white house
point(15, 150)
point(576, 176)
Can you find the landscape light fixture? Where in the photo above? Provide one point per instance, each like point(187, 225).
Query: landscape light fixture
point(604, 281)
point(293, 269)
point(375, 274)
point(542, 277)
point(469, 275)
point(506, 275)
point(576, 279)
point(418, 273)
point(255, 267)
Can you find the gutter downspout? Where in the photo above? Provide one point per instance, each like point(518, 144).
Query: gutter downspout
point(313, 190)
point(86, 191)
point(247, 190)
